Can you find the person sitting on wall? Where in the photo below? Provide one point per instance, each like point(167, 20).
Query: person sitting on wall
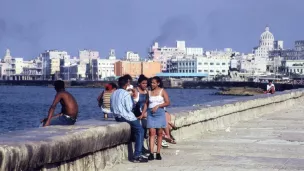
point(121, 107)
point(104, 99)
point(69, 110)
point(270, 87)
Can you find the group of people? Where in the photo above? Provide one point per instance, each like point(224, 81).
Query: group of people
point(142, 107)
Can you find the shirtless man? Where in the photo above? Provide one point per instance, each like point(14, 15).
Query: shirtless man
point(69, 108)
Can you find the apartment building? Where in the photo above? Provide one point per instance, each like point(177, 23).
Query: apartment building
point(148, 68)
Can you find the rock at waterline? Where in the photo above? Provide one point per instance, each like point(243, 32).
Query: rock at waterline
point(240, 91)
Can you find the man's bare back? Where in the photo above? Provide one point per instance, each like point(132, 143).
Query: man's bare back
point(68, 103)
point(69, 107)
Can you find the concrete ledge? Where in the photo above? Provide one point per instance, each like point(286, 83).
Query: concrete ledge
point(58, 145)
point(217, 115)
point(96, 145)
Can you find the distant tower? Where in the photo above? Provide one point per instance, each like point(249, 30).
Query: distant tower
point(7, 57)
point(112, 54)
point(8, 52)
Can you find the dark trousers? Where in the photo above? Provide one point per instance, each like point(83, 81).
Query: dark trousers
point(137, 132)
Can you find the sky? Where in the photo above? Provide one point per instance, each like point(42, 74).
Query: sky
point(30, 27)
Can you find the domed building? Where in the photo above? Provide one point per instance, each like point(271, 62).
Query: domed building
point(266, 44)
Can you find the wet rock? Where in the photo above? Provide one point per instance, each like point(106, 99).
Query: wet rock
point(240, 91)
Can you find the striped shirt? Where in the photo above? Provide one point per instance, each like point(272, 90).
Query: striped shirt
point(122, 105)
point(106, 100)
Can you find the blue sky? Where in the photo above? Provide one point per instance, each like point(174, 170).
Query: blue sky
point(28, 27)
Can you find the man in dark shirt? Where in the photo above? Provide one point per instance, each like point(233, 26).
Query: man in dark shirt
point(69, 110)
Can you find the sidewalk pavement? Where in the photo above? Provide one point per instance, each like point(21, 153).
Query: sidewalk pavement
point(274, 142)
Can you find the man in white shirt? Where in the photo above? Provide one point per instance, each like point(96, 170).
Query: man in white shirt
point(270, 87)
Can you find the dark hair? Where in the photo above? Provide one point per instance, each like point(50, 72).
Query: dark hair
point(59, 85)
point(122, 81)
point(128, 77)
point(149, 82)
point(142, 78)
point(108, 87)
point(158, 80)
point(114, 86)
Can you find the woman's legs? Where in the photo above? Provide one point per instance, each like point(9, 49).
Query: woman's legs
point(159, 139)
point(168, 128)
point(152, 133)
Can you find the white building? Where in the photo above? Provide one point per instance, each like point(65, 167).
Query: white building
point(86, 55)
point(131, 56)
point(299, 45)
point(263, 60)
point(163, 54)
point(266, 44)
point(17, 64)
point(194, 51)
point(7, 69)
point(52, 61)
point(293, 66)
point(4, 75)
point(106, 68)
point(32, 70)
point(55, 54)
point(213, 65)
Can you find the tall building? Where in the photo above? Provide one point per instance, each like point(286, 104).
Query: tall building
point(52, 60)
point(86, 55)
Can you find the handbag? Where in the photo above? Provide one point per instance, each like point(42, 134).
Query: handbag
point(137, 110)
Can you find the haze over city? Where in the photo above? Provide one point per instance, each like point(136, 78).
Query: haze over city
point(29, 27)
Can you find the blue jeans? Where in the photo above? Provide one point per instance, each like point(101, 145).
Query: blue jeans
point(62, 120)
point(138, 132)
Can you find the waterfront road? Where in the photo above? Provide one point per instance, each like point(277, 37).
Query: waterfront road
point(273, 142)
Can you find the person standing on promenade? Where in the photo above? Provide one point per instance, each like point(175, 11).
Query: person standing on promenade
point(156, 117)
point(121, 107)
point(104, 99)
point(69, 110)
point(140, 97)
point(167, 137)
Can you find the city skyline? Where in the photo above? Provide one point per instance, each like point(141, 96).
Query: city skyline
point(29, 28)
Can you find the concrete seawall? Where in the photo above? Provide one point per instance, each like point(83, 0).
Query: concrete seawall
point(213, 116)
point(96, 145)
